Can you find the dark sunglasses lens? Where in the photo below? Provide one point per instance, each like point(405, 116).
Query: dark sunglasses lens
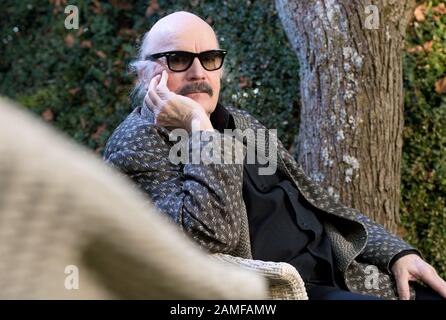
point(212, 60)
point(179, 61)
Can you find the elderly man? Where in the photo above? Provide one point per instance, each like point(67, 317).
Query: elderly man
point(230, 207)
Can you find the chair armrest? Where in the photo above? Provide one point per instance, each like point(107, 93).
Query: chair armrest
point(285, 282)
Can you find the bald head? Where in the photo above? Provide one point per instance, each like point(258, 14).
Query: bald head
point(179, 28)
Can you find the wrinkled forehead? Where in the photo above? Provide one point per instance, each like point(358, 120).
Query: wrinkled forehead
point(193, 38)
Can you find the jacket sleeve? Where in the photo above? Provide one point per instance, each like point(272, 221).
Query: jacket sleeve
point(204, 199)
point(382, 246)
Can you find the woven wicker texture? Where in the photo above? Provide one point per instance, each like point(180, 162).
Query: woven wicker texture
point(285, 283)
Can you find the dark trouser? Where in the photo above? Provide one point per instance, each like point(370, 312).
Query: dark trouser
point(334, 293)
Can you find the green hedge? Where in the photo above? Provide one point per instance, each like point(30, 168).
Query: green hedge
point(423, 203)
point(80, 77)
point(79, 81)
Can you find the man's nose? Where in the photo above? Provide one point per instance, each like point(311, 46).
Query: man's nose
point(196, 70)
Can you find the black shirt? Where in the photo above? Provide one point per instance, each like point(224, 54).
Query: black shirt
point(283, 226)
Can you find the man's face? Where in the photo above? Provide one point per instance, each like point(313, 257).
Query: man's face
point(195, 39)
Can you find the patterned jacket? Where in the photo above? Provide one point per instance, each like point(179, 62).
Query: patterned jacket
point(206, 201)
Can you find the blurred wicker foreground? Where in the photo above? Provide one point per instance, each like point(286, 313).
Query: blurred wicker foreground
point(61, 206)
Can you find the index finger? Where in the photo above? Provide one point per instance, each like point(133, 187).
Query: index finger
point(402, 285)
point(432, 279)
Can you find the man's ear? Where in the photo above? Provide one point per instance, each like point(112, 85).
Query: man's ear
point(145, 75)
point(146, 83)
point(143, 79)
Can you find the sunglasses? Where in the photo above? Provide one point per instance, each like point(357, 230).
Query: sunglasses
point(179, 61)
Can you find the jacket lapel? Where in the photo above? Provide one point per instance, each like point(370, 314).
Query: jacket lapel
point(346, 245)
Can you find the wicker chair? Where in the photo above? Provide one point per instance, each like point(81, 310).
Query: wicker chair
point(284, 282)
point(61, 206)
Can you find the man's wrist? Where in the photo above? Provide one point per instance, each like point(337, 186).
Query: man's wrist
point(200, 122)
point(400, 255)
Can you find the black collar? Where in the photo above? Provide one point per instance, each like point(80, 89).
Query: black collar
point(221, 118)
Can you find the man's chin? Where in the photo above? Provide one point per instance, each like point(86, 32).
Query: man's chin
point(200, 97)
point(203, 99)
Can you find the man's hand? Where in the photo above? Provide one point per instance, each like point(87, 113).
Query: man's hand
point(173, 110)
point(410, 268)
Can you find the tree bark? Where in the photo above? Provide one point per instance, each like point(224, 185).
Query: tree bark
point(351, 119)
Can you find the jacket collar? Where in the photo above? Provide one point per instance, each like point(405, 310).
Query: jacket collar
point(146, 113)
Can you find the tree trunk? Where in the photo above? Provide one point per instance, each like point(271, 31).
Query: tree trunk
point(350, 134)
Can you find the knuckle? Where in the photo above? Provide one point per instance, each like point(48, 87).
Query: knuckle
point(427, 269)
point(432, 271)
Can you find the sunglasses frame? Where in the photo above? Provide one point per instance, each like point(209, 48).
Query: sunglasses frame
point(168, 54)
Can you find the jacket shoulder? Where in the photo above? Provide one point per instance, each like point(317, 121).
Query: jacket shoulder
point(245, 118)
point(238, 112)
point(135, 132)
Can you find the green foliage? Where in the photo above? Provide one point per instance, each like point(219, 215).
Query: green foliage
point(424, 155)
point(81, 76)
point(79, 80)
